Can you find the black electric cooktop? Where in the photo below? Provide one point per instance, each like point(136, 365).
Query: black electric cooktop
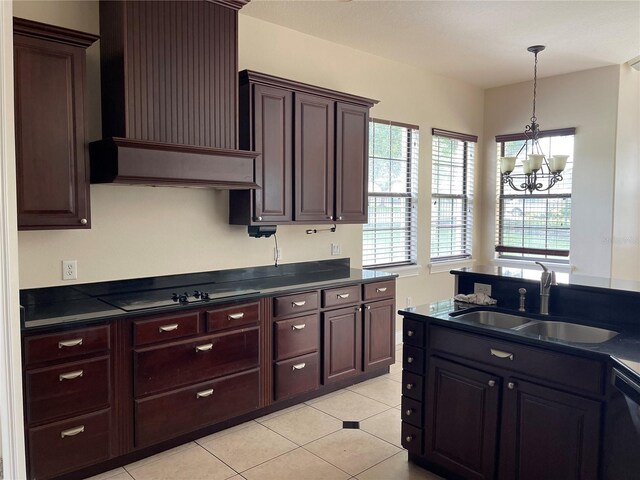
point(131, 302)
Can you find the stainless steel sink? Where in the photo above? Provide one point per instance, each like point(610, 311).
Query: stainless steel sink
point(494, 319)
point(569, 332)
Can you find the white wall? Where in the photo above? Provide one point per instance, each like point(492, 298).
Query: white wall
point(626, 225)
point(142, 231)
point(587, 100)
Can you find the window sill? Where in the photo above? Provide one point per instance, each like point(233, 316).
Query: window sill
point(529, 264)
point(447, 265)
point(401, 270)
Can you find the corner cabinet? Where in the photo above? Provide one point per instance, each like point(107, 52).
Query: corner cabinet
point(51, 164)
point(313, 166)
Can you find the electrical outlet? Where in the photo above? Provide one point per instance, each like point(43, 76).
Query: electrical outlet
point(69, 269)
point(335, 249)
point(482, 288)
point(277, 254)
point(409, 302)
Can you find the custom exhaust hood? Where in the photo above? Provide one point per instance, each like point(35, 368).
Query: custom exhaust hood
point(169, 95)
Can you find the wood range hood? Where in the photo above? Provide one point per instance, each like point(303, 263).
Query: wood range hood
point(170, 96)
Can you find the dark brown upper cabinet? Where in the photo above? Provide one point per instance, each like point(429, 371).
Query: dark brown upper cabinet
point(51, 163)
point(314, 153)
point(170, 95)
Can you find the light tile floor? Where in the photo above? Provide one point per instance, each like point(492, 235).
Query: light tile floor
point(303, 442)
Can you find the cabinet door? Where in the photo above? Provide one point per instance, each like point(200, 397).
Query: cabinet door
point(548, 434)
point(379, 334)
point(462, 419)
point(52, 176)
point(352, 140)
point(314, 158)
point(272, 136)
point(342, 344)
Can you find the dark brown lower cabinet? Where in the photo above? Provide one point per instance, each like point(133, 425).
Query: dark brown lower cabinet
point(548, 434)
point(462, 419)
point(379, 334)
point(342, 343)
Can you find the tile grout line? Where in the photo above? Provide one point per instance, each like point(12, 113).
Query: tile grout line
point(220, 460)
point(325, 460)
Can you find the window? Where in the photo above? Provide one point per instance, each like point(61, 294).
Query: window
point(535, 225)
point(390, 236)
point(451, 195)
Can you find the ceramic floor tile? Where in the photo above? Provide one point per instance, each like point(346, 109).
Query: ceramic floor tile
point(296, 465)
point(324, 397)
point(117, 474)
point(278, 413)
point(396, 367)
point(397, 467)
point(383, 390)
point(385, 425)
point(222, 433)
point(350, 406)
point(304, 425)
point(248, 447)
point(193, 463)
point(159, 456)
point(352, 450)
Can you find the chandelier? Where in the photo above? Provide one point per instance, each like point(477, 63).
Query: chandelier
point(539, 172)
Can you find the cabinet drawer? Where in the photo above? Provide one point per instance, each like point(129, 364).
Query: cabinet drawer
point(63, 345)
point(567, 370)
point(64, 446)
point(412, 438)
point(232, 317)
point(297, 375)
point(413, 332)
point(411, 411)
point(170, 414)
point(296, 337)
point(195, 360)
point(67, 389)
point(336, 297)
point(413, 359)
point(412, 385)
point(379, 290)
point(167, 327)
point(297, 303)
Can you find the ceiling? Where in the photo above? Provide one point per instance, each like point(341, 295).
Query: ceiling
point(480, 42)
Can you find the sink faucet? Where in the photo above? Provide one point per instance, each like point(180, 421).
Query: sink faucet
point(547, 279)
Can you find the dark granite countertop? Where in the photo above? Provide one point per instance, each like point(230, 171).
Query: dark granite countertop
point(86, 303)
point(623, 349)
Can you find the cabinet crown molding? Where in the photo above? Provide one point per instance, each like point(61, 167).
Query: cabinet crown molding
point(22, 26)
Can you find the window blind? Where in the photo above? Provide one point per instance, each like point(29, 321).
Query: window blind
point(536, 225)
point(390, 236)
point(452, 195)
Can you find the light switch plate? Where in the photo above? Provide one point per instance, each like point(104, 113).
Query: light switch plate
point(482, 288)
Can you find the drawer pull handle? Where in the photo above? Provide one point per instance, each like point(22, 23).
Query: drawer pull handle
point(409, 386)
point(511, 385)
point(492, 383)
point(298, 327)
point(409, 412)
point(168, 328)
point(72, 431)
point(204, 348)
point(70, 343)
point(409, 359)
point(235, 316)
point(381, 289)
point(298, 366)
point(410, 333)
point(301, 303)
point(342, 295)
point(71, 375)
point(408, 438)
point(501, 354)
point(204, 393)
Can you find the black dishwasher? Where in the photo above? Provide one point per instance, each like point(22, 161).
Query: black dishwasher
point(622, 430)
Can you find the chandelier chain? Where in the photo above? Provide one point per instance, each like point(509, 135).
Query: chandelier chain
point(535, 87)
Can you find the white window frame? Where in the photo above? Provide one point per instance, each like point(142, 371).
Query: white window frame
point(408, 266)
point(445, 262)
